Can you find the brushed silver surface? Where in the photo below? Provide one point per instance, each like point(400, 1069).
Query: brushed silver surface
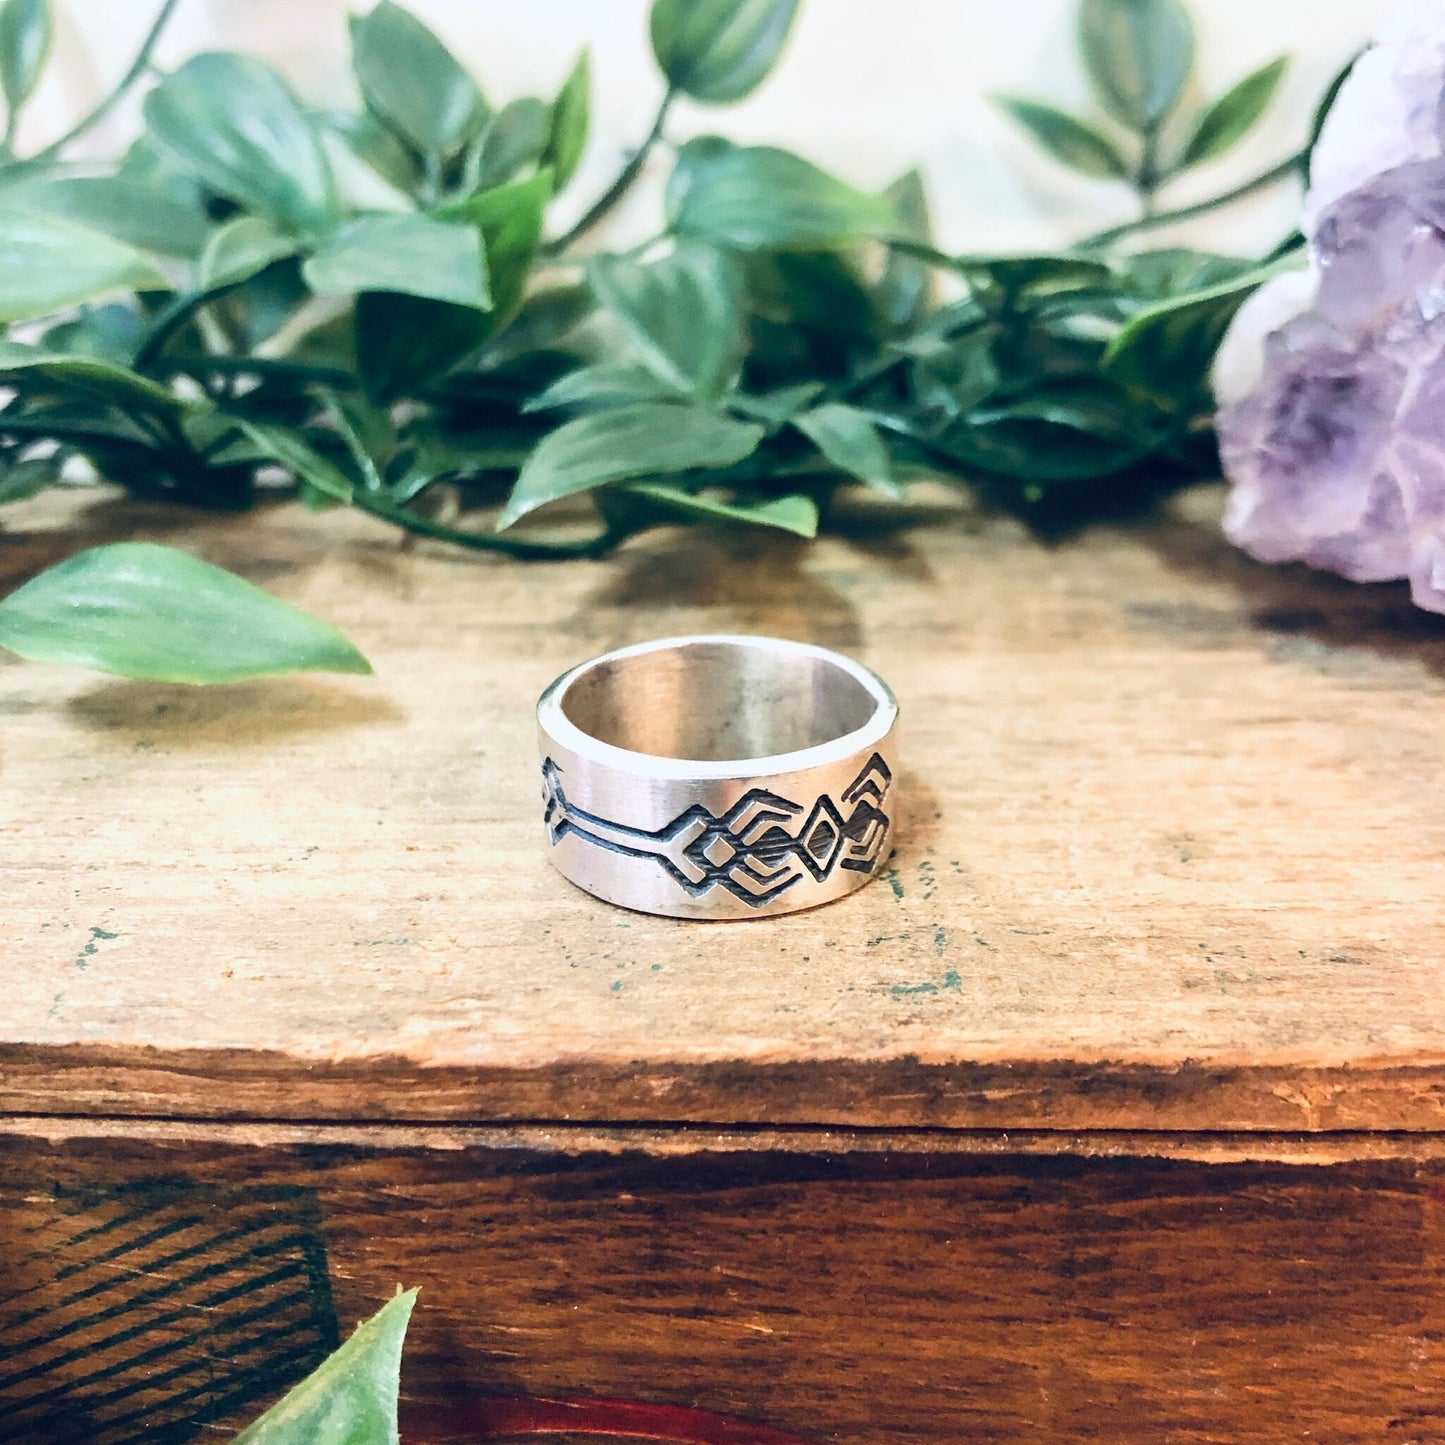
point(718, 776)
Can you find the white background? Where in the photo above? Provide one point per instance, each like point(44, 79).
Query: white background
point(865, 87)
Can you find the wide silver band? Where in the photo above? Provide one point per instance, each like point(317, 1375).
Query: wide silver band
point(718, 777)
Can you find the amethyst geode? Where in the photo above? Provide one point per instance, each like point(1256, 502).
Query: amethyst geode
point(1333, 431)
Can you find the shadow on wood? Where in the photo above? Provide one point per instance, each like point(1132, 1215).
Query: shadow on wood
point(1299, 614)
point(262, 713)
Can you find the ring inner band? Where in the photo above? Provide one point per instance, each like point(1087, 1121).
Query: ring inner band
point(717, 701)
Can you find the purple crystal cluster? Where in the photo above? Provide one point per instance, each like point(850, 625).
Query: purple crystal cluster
point(1333, 435)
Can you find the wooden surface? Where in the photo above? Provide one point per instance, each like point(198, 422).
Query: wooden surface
point(849, 1296)
point(1171, 853)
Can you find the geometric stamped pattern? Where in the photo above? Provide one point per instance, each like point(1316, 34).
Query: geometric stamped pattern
point(758, 849)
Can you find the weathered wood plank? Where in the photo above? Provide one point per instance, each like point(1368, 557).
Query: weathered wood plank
point(1171, 858)
point(850, 1296)
point(1024, 1093)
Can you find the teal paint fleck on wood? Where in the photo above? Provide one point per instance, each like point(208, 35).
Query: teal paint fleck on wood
point(952, 981)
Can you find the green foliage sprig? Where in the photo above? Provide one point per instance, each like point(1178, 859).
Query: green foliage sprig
point(1139, 55)
point(374, 307)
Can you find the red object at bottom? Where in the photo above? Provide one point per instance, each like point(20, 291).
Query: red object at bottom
point(502, 1417)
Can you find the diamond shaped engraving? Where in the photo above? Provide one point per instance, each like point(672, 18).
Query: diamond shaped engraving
point(821, 838)
point(720, 852)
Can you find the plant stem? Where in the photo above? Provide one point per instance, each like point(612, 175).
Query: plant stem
point(1147, 178)
point(431, 178)
point(1291, 166)
point(265, 366)
point(137, 68)
point(619, 187)
point(46, 430)
point(169, 320)
point(379, 506)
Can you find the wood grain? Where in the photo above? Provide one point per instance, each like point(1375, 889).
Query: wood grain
point(853, 1296)
point(674, 1140)
point(1171, 856)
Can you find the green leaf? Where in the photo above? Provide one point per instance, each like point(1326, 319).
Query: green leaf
point(369, 434)
point(568, 133)
point(91, 375)
point(510, 220)
point(814, 291)
point(1100, 412)
point(240, 249)
point(812, 316)
point(543, 322)
point(1039, 454)
point(1073, 142)
point(1176, 270)
point(145, 611)
point(516, 137)
point(719, 50)
point(261, 305)
point(24, 44)
point(405, 341)
point(1165, 352)
point(22, 480)
point(1139, 54)
point(643, 440)
point(604, 384)
point(141, 215)
point(291, 450)
point(231, 123)
point(146, 164)
point(373, 145)
point(953, 376)
point(47, 264)
point(691, 162)
point(351, 1398)
point(1232, 116)
point(758, 198)
point(775, 407)
point(360, 188)
point(1042, 274)
point(1058, 434)
point(413, 255)
point(904, 290)
point(1050, 349)
point(111, 331)
point(684, 312)
point(424, 456)
point(850, 441)
point(410, 81)
point(796, 513)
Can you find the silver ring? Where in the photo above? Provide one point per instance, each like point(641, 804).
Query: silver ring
point(718, 777)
